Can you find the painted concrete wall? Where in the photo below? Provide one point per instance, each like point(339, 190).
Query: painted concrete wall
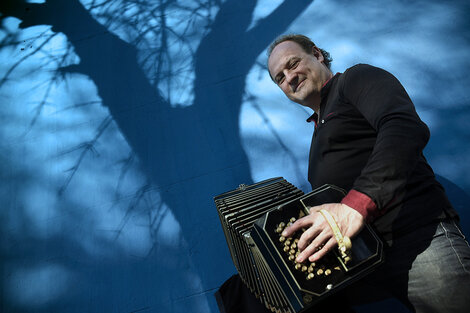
point(120, 120)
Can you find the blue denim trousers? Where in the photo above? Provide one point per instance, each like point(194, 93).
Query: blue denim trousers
point(428, 270)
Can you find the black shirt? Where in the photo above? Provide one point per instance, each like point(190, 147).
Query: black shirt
point(369, 138)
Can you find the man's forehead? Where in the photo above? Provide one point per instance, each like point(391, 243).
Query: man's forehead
point(282, 52)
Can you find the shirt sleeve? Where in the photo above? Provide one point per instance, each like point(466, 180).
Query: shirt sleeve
point(361, 203)
point(401, 138)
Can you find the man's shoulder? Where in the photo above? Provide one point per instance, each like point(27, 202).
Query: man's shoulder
point(366, 73)
point(362, 68)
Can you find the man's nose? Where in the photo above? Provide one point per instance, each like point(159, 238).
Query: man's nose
point(291, 78)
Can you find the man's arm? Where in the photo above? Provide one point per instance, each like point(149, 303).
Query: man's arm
point(401, 138)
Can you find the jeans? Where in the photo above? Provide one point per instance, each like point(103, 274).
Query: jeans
point(428, 270)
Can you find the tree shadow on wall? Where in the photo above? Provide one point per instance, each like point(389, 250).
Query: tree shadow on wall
point(189, 153)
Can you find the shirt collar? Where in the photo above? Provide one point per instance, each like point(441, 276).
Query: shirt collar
point(313, 118)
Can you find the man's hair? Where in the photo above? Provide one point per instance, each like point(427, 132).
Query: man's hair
point(304, 42)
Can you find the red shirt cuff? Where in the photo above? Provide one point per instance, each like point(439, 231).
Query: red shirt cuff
point(361, 203)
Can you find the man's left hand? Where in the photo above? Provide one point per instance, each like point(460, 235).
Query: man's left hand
point(318, 237)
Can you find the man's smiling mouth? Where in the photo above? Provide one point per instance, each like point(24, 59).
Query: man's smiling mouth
point(299, 85)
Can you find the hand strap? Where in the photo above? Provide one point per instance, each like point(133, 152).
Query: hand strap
point(344, 242)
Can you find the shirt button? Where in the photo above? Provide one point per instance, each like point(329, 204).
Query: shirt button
point(322, 121)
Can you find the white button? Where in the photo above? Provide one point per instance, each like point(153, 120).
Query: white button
point(322, 121)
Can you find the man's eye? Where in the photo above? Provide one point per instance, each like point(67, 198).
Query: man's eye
point(292, 64)
point(280, 80)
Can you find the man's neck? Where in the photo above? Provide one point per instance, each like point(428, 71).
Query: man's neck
point(315, 99)
point(316, 104)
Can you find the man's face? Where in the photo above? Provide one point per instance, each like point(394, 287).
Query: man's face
point(300, 75)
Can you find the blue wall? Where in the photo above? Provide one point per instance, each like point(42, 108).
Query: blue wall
point(120, 120)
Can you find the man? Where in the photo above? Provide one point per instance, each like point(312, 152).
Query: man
point(368, 139)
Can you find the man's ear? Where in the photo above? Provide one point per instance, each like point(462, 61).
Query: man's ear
point(317, 53)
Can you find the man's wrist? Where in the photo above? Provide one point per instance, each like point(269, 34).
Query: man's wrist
point(362, 203)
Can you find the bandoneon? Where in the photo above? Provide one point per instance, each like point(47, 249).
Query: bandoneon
point(253, 218)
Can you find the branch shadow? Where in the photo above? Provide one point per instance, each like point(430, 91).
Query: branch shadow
point(189, 153)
